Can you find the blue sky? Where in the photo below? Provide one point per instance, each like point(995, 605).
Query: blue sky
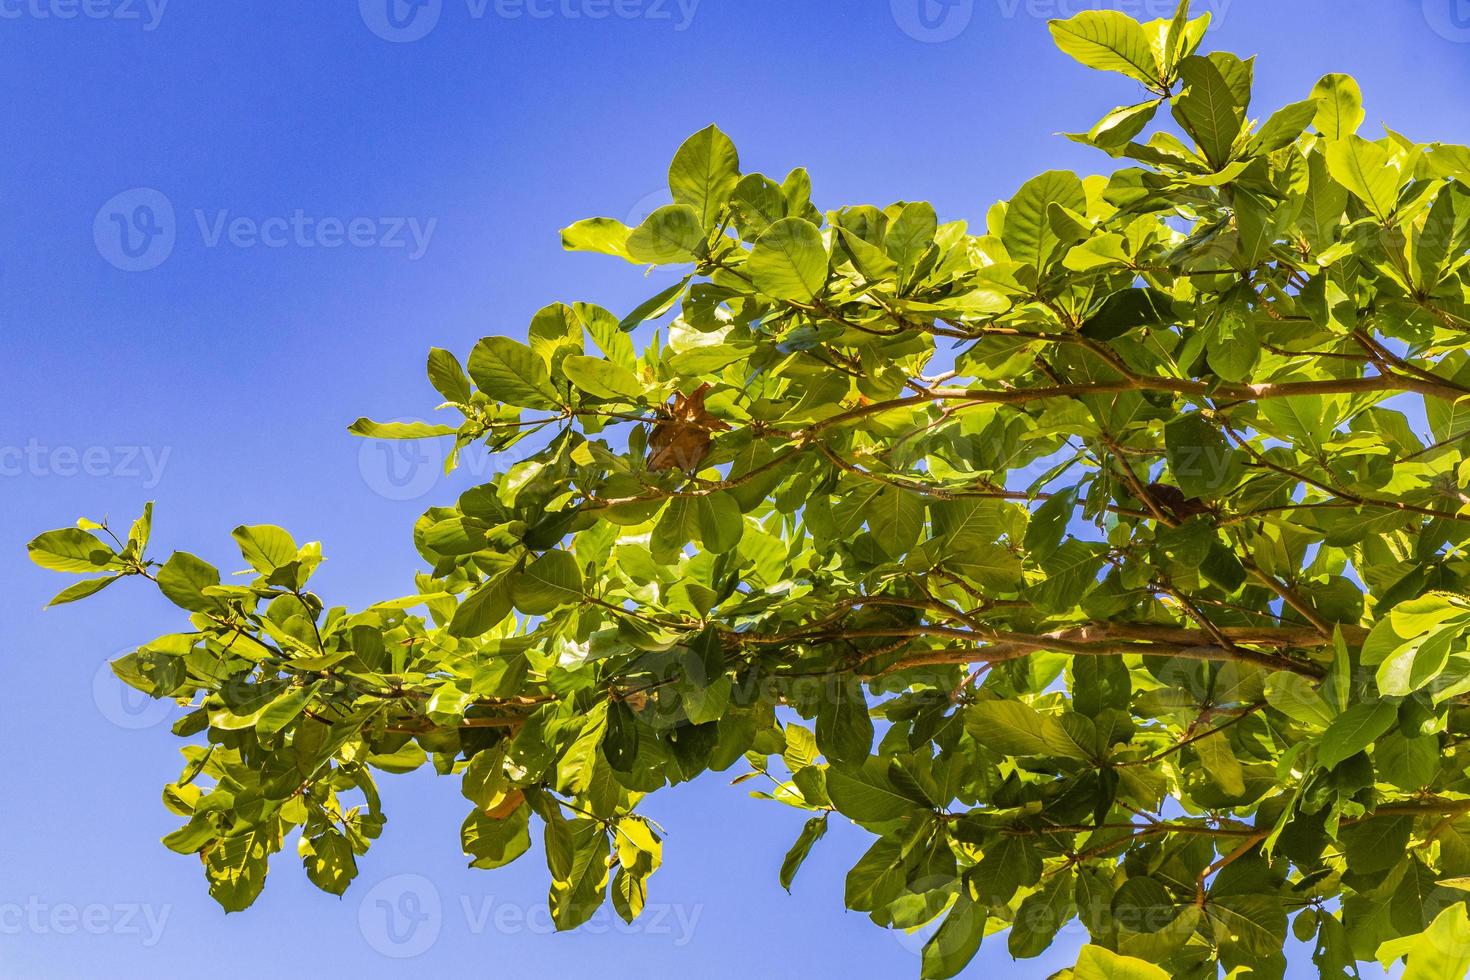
point(348, 189)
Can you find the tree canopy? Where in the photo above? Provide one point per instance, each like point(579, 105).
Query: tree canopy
point(1104, 562)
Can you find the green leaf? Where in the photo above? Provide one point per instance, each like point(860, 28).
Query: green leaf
point(484, 609)
point(956, 941)
point(1013, 728)
point(1209, 110)
point(1200, 459)
point(757, 203)
point(71, 550)
point(1071, 571)
point(1415, 664)
point(607, 335)
point(1366, 170)
point(1220, 764)
point(369, 429)
point(1254, 229)
point(1353, 731)
point(329, 861)
point(655, 306)
point(448, 377)
point(1108, 41)
point(811, 832)
point(1339, 103)
point(549, 582)
point(877, 878)
point(183, 581)
point(1441, 952)
point(1408, 763)
point(236, 867)
point(639, 849)
point(82, 589)
point(1445, 237)
point(493, 842)
point(673, 233)
point(789, 261)
point(844, 728)
point(911, 235)
point(1376, 845)
point(485, 783)
point(265, 546)
point(896, 518)
point(718, 524)
point(1285, 125)
point(511, 373)
point(1297, 698)
point(1300, 418)
point(157, 673)
point(1128, 310)
point(141, 531)
point(620, 744)
point(579, 874)
point(602, 379)
point(1009, 864)
point(1221, 567)
point(1104, 251)
point(1114, 131)
point(1256, 924)
point(1027, 231)
point(1041, 916)
point(704, 174)
point(556, 331)
point(283, 711)
point(1097, 963)
point(603, 235)
point(991, 566)
point(704, 687)
point(866, 794)
point(1143, 904)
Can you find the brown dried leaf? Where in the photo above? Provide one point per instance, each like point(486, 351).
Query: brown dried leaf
point(682, 436)
point(1172, 499)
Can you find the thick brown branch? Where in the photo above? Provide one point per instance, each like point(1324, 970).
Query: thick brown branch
point(1288, 595)
point(1386, 383)
point(1000, 645)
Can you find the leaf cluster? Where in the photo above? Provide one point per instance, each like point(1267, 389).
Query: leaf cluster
point(1106, 562)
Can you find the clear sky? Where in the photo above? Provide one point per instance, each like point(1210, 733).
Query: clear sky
point(346, 190)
